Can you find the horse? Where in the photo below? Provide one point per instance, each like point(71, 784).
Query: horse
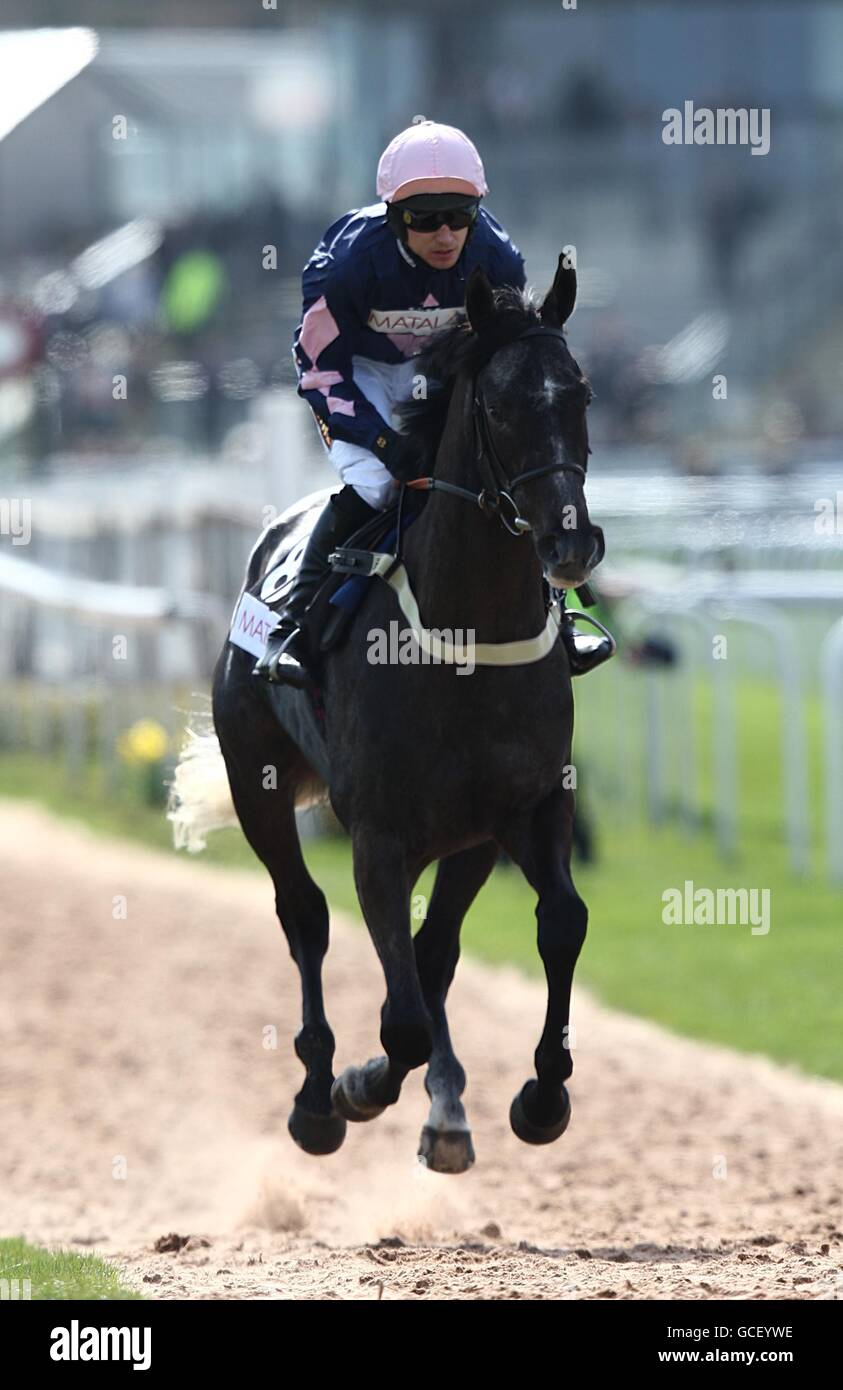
point(425, 762)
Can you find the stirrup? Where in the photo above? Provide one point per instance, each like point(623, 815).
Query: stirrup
point(589, 650)
point(286, 664)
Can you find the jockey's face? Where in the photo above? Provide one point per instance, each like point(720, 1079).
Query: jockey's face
point(440, 249)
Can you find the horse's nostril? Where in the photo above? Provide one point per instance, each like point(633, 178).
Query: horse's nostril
point(566, 548)
point(550, 549)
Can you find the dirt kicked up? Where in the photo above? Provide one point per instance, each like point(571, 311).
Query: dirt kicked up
point(148, 1011)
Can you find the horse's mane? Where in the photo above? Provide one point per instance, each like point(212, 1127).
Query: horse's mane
point(460, 349)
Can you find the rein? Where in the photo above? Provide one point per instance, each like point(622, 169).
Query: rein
point(497, 488)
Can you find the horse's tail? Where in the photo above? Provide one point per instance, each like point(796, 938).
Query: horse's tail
point(200, 797)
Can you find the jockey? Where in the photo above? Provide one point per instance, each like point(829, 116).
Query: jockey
point(382, 279)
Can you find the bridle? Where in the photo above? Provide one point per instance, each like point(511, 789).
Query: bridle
point(497, 488)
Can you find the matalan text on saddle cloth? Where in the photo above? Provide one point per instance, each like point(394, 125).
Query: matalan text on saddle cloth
point(251, 625)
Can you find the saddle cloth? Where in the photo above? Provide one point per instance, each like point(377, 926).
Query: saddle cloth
point(339, 596)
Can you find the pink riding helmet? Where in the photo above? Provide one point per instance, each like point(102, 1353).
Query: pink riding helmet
point(427, 150)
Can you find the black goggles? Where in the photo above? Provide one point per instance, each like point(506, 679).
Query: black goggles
point(455, 218)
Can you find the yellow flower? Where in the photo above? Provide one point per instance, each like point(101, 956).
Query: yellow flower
point(145, 742)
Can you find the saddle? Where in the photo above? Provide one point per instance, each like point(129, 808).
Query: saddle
point(344, 588)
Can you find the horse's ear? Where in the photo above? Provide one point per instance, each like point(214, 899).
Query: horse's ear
point(479, 299)
point(559, 302)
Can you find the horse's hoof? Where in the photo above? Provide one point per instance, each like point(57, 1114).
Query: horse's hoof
point(349, 1092)
point(446, 1151)
point(316, 1134)
point(526, 1129)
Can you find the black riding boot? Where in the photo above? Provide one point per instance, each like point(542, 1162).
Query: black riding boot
point(287, 659)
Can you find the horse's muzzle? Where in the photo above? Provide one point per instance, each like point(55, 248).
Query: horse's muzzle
point(569, 557)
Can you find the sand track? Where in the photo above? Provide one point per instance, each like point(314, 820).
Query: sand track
point(136, 1046)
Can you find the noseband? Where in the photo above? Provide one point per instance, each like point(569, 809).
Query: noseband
point(497, 488)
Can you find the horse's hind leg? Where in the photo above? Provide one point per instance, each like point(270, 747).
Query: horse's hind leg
point(445, 1144)
point(541, 845)
point(268, 819)
point(303, 914)
point(383, 887)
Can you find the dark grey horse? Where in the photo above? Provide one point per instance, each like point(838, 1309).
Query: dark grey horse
point(424, 763)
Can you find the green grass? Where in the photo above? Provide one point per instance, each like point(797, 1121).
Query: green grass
point(779, 994)
point(59, 1274)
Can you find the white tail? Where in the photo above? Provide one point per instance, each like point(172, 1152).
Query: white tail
point(200, 797)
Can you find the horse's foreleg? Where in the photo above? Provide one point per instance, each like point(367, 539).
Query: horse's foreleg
point(381, 876)
point(303, 914)
point(445, 1143)
point(541, 845)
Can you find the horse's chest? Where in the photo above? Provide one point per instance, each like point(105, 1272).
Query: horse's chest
point(464, 750)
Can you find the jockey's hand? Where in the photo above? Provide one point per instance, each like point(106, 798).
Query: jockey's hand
point(403, 455)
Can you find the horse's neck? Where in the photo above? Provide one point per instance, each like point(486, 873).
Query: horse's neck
point(466, 570)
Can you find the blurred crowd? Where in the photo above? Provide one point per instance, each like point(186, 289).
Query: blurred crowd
point(197, 327)
point(168, 351)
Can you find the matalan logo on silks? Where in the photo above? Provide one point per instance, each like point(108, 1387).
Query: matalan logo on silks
point(418, 321)
point(75, 1343)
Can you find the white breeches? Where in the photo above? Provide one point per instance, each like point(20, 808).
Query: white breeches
point(385, 384)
